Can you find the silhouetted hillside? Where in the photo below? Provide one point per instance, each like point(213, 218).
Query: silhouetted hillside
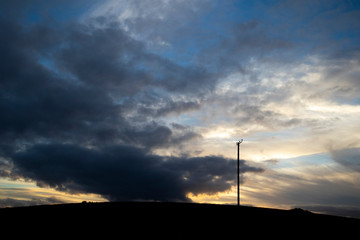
point(179, 217)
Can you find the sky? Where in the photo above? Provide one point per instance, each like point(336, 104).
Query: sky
point(144, 101)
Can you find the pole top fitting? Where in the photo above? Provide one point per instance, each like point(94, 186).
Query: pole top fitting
point(238, 143)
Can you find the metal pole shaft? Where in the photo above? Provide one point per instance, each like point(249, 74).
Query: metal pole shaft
point(238, 173)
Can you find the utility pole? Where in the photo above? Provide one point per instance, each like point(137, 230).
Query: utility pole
point(238, 171)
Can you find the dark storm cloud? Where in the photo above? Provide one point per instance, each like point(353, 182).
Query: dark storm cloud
point(79, 82)
point(155, 135)
point(102, 54)
point(119, 173)
point(104, 58)
point(68, 84)
point(210, 174)
point(155, 105)
point(175, 107)
point(125, 172)
point(33, 98)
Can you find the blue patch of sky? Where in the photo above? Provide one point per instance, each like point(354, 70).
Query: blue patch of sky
point(354, 101)
point(50, 65)
point(47, 63)
point(207, 30)
point(7, 183)
point(306, 160)
point(288, 133)
point(220, 22)
point(186, 119)
point(306, 25)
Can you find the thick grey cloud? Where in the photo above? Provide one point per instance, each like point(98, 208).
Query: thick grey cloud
point(104, 58)
point(109, 58)
point(348, 157)
point(68, 84)
point(78, 84)
point(125, 172)
point(248, 42)
point(121, 173)
point(89, 83)
point(153, 135)
point(152, 104)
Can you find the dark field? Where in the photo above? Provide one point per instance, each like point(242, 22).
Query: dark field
point(162, 218)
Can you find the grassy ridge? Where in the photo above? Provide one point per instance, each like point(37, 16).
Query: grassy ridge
point(156, 217)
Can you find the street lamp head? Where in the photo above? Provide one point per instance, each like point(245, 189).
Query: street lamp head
point(238, 143)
